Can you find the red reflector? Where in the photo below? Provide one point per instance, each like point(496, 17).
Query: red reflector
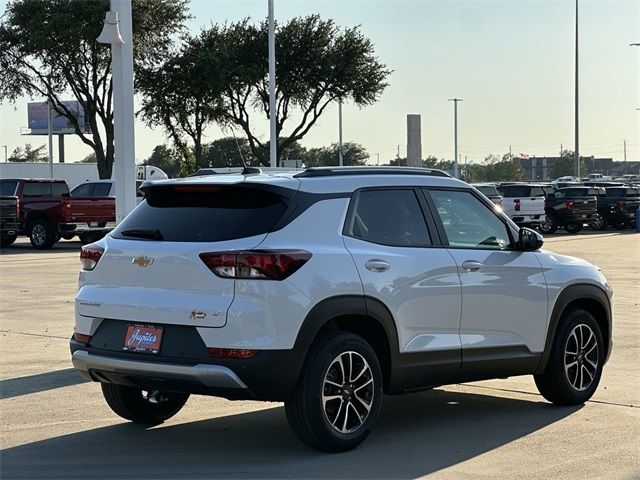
point(81, 337)
point(89, 256)
point(241, 353)
point(256, 264)
point(570, 205)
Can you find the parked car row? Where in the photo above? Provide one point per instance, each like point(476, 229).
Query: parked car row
point(569, 205)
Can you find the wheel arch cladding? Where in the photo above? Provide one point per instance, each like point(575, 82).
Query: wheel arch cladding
point(587, 297)
point(364, 316)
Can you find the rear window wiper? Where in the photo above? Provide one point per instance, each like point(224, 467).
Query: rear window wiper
point(143, 233)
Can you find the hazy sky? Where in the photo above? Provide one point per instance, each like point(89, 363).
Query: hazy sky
point(511, 61)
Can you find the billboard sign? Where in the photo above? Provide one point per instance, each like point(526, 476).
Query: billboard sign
point(37, 115)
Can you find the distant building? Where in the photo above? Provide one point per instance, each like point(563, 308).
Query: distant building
point(538, 168)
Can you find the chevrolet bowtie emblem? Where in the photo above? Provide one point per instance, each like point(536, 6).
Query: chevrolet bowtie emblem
point(142, 261)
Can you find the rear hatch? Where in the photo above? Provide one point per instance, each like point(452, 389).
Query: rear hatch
point(8, 202)
point(151, 270)
point(626, 199)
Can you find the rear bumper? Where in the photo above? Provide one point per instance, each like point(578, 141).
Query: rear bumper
point(10, 228)
point(528, 219)
point(215, 376)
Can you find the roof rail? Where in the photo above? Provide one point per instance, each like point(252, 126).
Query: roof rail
point(314, 172)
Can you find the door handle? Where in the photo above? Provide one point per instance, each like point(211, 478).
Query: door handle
point(472, 265)
point(376, 265)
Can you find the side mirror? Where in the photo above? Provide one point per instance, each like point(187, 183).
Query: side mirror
point(529, 240)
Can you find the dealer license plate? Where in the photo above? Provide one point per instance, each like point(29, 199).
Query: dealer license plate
point(143, 338)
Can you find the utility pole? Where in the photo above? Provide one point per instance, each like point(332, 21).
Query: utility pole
point(273, 145)
point(5, 153)
point(49, 130)
point(377, 156)
point(577, 129)
point(456, 171)
point(510, 156)
point(625, 157)
point(340, 159)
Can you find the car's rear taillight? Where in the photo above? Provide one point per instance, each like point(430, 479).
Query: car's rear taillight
point(90, 255)
point(239, 353)
point(516, 206)
point(81, 337)
point(621, 204)
point(570, 205)
point(18, 208)
point(256, 264)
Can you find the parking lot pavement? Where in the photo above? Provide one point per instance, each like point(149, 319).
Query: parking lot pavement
point(55, 425)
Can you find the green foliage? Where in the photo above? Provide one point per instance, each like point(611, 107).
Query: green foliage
point(227, 152)
point(167, 159)
point(48, 49)
point(565, 165)
point(221, 76)
point(91, 158)
point(354, 154)
point(495, 169)
point(29, 154)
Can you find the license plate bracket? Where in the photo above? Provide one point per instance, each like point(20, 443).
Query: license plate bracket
point(143, 338)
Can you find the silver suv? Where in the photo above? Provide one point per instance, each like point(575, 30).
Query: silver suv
point(325, 289)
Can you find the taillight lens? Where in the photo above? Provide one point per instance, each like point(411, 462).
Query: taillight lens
point(517, 205)
point(256, 264)
point(90, 255)
point(621, 204)
point(570, 205)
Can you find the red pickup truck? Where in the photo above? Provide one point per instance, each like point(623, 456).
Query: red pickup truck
point(46, 212)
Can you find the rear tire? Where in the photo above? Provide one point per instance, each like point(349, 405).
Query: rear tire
point(6, 240)
point(573, 228)
point(338, 396)
point(132, 404)
point(572, 378)
point(41, 235)
point(550, 225)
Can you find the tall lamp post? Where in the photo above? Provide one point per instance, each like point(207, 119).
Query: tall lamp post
point(117, 32)
point(577, 130)
point(273, 137)
point(456, 171)
point(340, 150)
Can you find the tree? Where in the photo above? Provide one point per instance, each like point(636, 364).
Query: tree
point(317, 63)
point(167, 159)
point(227, 152)
point(354, 154)
point(496, 169)
point(91, 158)
point(565, 165)
point(29, 154)
point(49, 49)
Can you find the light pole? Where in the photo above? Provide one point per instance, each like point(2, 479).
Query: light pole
point(117, 31)
point(577, 130)
point(5, 153)
point(273, 143)
point(456, 171)
point(340, 160)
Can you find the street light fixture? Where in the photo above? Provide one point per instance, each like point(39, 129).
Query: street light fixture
point(456, 170)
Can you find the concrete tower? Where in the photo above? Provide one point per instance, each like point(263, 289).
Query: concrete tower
point(414, 142)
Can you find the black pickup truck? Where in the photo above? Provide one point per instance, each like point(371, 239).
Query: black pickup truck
point(617, 207)
point(9, 215)
point(570, 208)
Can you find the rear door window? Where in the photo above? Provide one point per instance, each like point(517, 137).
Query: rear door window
point(205, 213)
point(83, 190)
point(514, 191)
point(101, 189)
point(388, 217)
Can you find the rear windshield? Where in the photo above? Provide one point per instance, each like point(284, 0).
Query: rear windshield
point(44, 189)
point(488, 190)
point(623, 192)
point(572, 192)
point(516, 191)
point(205, 213)
point(8, 188)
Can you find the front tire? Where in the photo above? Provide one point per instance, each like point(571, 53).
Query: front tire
point(150, 408)
point(338, 396)
point(41, 235)
point(575, 364)
point(599, 222)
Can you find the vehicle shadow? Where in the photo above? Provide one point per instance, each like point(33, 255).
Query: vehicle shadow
point(23, 246)
point(415, 435)
point(16, 387)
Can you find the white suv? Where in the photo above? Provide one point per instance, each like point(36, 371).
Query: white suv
point(325, 289)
